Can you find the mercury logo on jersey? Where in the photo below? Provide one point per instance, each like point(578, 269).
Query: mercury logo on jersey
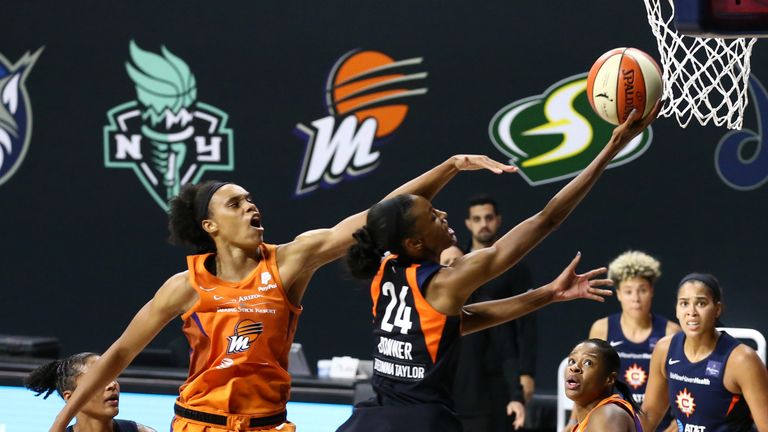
point(366, 95)
point(246, 333)
point(555, 135)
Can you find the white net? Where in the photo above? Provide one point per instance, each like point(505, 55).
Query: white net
point(704, 78)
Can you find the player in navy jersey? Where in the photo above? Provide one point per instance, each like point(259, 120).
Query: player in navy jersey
point(419, 307)
point(711, 381)
point(633, 333)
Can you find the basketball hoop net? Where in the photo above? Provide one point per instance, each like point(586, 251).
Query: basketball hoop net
point(704, 78)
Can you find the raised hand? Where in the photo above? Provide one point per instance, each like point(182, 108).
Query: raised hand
point(624, 132)
point(570, 286)
point(478, 162)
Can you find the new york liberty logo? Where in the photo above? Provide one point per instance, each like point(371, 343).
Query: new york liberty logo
point(367, 96)
point(167, 137)
point(555, 135)
point(15, 113)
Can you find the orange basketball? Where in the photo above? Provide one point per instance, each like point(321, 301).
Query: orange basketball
point(621, 80)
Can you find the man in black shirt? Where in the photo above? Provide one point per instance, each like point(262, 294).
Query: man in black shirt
point(496, 366)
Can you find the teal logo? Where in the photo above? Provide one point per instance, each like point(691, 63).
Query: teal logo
point(555, 135)
point(167, 137)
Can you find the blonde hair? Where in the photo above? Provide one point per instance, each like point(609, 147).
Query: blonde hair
point(633, 264)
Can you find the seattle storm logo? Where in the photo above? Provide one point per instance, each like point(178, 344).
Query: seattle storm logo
point(167, 137)
point(15, 113)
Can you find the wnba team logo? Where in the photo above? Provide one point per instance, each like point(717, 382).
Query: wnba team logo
point(367, 96)
point(555, 135)
point(167, 137)
point(15, 113)
point(246, 333)
point(635, 376)
point(685, 402)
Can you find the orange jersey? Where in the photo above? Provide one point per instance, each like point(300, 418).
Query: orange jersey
point(240, 334)
point(612, 399)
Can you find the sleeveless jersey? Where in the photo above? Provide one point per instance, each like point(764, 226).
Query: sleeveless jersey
point(414, 354)
point(615, 400)
point(697, 394)
point(635, 357)
point(240, 334)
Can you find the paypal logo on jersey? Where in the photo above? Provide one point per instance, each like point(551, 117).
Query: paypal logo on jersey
point(741, 158)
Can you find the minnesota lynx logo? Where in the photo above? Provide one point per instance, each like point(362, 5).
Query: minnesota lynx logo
point(167, 137)
point(366, 96)
point(246, 333)
point(555, 135)
point(15, 113)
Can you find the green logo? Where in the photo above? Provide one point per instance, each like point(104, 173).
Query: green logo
point(555, 135)
point(167, 137)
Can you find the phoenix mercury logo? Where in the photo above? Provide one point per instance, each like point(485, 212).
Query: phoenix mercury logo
point(555, 135)
point(15, 113)
point(167, 137)
point(366, 95)
point(246, 333)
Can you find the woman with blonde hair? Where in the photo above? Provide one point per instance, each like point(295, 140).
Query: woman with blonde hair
point(634, 331)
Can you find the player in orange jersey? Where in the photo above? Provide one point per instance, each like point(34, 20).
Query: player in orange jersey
point(591, 379)
point(239, 299)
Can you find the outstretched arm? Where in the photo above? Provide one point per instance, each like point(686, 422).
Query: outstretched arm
point(475, 269)
point(315, 248)
point(567, 286)
point(171, 300)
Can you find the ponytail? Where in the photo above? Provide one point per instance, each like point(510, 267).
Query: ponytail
point(43, 379)
point(623, 389)
point(58, 375)
point(387, 224)
point(363, 257)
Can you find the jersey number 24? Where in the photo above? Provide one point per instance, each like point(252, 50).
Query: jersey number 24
point(403, 314)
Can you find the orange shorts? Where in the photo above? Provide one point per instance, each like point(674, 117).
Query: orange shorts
point(236, 424)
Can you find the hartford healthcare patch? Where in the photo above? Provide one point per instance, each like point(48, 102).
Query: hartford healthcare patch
point(555, 135)
point(167, 137)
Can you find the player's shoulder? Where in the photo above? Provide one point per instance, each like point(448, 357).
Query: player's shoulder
point(743, 354)
point(610, 414)
point(599, 329)
point(672, 328)
point(663, 344)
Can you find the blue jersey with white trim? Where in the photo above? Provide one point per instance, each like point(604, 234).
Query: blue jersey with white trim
point(699, 400)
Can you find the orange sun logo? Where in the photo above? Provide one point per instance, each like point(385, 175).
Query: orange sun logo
point(685, 403)
point(635, 376)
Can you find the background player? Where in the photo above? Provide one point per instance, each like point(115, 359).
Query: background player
point(711, 380)
point(591, 379)
point(240, 300)
point(634, 331)
point(419, 306)
point(98, 414)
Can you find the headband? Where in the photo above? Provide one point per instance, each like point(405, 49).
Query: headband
point(201, 206)
point(707, 279)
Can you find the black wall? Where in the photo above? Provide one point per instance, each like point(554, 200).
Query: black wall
point(83, 246)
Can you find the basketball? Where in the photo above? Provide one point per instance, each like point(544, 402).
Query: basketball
point(621, 80)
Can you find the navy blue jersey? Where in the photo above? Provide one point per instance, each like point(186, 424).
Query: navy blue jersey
point(414, 351)
point(699, 400)
point(118, 426)
point(635, 357)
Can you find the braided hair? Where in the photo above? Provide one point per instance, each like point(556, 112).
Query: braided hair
point(387, 224)
point(58, 375)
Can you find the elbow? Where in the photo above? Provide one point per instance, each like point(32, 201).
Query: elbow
point(550, 220)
